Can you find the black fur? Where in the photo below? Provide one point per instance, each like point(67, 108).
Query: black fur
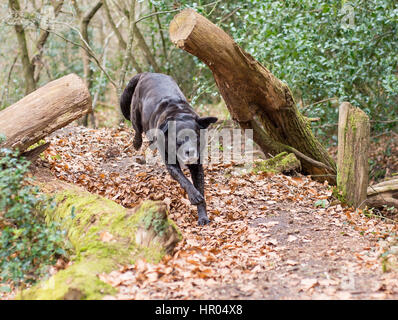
point(125, 100)
point(150, 101)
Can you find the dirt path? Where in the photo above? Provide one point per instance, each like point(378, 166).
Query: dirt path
point(268, 239)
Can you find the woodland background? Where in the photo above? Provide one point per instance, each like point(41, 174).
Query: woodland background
point(327, 52)
point(309, 45)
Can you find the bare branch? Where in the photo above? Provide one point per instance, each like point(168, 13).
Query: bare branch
point(119, 36)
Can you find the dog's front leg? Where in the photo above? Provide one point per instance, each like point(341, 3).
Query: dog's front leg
point(194, 195)
point(198, 178)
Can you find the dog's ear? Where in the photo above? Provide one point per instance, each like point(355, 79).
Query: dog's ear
point(206, 121)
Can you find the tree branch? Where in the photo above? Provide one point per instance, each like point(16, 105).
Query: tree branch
point(119, 36)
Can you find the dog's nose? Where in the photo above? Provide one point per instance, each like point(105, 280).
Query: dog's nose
point(190, 153)
point(189, 156)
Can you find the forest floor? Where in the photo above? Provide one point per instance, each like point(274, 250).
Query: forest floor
point(271, 236)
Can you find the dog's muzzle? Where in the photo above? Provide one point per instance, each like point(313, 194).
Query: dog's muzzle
point(188, 155)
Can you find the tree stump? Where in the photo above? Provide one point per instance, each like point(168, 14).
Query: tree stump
point(43, 111)
point(255, 98)
point(353, 150)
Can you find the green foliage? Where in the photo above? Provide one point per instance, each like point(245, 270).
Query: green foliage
point(27, 244)
point(313, 47)
point(321, 203)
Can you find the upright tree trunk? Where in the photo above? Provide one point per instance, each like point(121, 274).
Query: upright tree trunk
point(88, 72)
point(28, 70)
point(255, 98)
point(43, 36)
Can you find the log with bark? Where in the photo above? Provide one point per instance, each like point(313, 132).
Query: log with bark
point(353, 154)
point(45, 110)
point(104, 236)
point(282, 163)
point(255, 98)
point(383, 194)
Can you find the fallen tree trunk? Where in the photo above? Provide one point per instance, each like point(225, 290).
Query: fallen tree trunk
point(45, 110)
point(352, 156)
point(255, 98)
point(104, 236)
point(383, 194)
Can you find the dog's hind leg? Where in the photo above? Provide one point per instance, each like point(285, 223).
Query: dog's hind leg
point(136, 123)
point(198, 178)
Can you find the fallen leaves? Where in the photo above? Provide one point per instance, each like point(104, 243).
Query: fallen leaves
point(265, 229)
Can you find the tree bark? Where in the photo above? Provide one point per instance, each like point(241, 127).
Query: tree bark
point(88, 72)
point(104, 236)
point(255, 98)
point(383, 194)
point(353, 149)
point(28, 70)
point(85, 21)
point(36, 61)
point(127, 52)
point(45, 110)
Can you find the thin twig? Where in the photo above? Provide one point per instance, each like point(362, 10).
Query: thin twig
point(156, 13)
point(4, 94)
point(319, 102)
point(228, 15)
point(87, 49)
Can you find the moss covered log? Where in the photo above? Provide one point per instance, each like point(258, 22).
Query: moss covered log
point(104, 236)
point(281, 163)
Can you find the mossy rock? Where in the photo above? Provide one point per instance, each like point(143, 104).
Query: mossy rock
point(281, 163)
point(144, 232)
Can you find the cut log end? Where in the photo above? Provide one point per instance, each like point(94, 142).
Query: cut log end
point(181, 27)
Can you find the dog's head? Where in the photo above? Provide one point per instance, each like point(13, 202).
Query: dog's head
point(183, 134)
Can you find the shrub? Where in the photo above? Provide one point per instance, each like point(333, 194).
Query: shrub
point(28, 246)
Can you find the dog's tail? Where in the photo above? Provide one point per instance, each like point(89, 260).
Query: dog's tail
point(125, 99)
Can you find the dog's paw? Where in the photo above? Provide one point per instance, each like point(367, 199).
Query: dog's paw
point(137, 143)
point(202, 221)
point(195, 197)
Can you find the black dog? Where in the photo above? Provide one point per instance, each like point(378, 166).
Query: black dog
point(151, 101)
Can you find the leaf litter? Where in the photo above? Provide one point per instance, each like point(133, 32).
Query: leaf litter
point(267, 239)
